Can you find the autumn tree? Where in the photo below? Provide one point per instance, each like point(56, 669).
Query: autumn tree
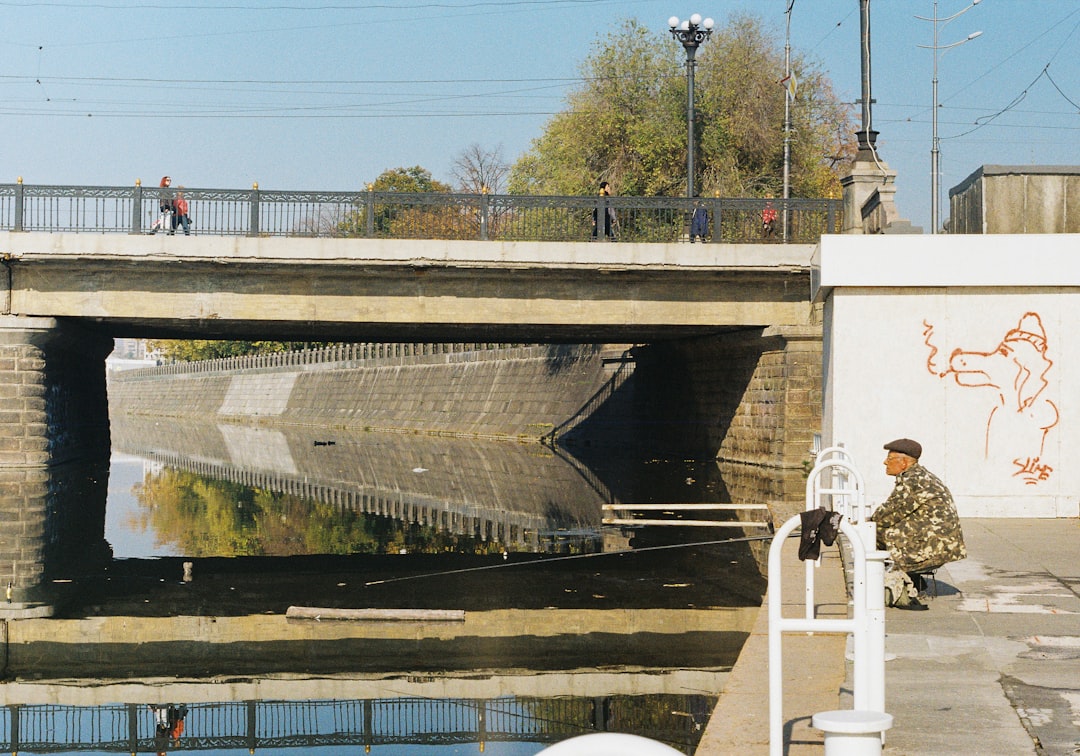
point(478, 170)
point(626, 122)
point(407, 217)
point(416, 179)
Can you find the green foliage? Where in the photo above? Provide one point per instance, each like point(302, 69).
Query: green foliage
point(204, 517)
point(626, 124)
point(399, 220)
point(415, 179)
point(197, 349)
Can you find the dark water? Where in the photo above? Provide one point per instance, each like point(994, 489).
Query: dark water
point(214, 531)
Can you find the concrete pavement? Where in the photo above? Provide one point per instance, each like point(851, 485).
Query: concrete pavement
point(992, 668)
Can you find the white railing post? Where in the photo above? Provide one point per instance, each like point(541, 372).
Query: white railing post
point(867, 626)
point(837, 463)
point(875, 616)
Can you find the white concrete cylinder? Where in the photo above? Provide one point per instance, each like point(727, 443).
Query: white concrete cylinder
point(609, 744)
point(852, 732)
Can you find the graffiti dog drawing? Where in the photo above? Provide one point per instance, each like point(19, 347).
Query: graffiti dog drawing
point(1021, 415)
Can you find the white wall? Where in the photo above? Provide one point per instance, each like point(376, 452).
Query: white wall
point(967, 344)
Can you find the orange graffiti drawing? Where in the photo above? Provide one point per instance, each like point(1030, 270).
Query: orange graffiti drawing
point(1021, 415)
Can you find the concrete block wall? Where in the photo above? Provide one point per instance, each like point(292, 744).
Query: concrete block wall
point(52, 520)
point(23, 493)
point(1017, 199)
point(23, 421)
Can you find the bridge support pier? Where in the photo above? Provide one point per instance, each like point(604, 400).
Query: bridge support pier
point(53, 393)
point(54, 456)
point(750, 398)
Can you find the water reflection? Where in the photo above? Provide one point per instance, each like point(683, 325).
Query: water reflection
point(219, 529)
point(360, 714)
point(519, 496)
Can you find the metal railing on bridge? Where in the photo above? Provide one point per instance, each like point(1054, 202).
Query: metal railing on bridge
point(402, 215)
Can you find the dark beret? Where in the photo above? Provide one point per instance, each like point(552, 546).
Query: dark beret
point(905, 446)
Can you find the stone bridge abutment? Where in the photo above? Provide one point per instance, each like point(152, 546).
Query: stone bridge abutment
point(54, 451)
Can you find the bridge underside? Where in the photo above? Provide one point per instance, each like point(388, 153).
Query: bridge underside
point(377, 290)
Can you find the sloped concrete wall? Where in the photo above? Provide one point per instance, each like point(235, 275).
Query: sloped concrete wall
point(519, 393)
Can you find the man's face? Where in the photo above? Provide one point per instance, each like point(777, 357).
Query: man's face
point(896, 463)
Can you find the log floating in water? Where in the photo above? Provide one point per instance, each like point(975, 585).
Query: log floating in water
point(376, 615)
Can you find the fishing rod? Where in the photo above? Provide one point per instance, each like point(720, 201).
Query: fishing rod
point(571, 556)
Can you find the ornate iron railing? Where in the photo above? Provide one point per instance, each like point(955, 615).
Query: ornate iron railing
point(400, 215)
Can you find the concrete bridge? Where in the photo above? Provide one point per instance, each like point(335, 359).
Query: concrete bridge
point(735, 316)
point(401, 290)
point(64, 297)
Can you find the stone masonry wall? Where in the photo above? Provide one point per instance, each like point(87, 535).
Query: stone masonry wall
point(751, 399)
point(52, 389)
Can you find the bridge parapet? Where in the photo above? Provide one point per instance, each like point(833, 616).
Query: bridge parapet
point(403, 215)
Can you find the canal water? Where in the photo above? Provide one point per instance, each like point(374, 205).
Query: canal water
point(568, 626)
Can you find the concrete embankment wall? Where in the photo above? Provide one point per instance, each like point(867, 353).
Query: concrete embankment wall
point(751, 399)
point(521, 392)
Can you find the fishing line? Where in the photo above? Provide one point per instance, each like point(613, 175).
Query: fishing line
point(571, 556)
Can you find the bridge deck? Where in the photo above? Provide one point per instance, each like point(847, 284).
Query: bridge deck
point(380, 289)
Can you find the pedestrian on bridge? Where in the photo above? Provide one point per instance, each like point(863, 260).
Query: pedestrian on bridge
point(610, 221)
point(165, 220)
point(180, 213)
point(699, 222)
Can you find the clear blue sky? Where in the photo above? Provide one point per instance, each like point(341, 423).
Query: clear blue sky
point(328, 94)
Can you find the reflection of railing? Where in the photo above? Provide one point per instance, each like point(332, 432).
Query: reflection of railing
point(473, 520)
point(129, 728)
point(403, 215)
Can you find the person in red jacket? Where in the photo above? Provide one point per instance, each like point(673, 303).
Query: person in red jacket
point(768, 217)
point(180, 214)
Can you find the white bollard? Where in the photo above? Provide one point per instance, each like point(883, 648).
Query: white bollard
point(608, 744)
point(852, 732)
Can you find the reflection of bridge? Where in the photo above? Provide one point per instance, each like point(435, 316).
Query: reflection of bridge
point(130, 728)
point(505, 492)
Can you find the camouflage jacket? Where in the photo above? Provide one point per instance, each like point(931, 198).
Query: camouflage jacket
point(918, 523)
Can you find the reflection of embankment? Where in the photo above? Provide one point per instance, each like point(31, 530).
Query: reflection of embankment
point(511, 493)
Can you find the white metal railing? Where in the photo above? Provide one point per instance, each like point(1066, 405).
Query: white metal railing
point(844, 493)
point(866, 624)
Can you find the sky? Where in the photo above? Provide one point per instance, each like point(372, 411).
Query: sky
point(328, 94)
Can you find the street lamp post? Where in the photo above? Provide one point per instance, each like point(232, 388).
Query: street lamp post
point(690, 33)
point(935, 149)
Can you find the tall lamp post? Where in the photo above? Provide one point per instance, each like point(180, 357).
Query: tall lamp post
point(690, 33)
point(935, 150)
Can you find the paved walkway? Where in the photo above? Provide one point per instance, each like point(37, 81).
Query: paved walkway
point(992, 668)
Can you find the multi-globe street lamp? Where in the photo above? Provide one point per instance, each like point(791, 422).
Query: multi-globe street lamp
point(935, 149)
point(690, 33)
